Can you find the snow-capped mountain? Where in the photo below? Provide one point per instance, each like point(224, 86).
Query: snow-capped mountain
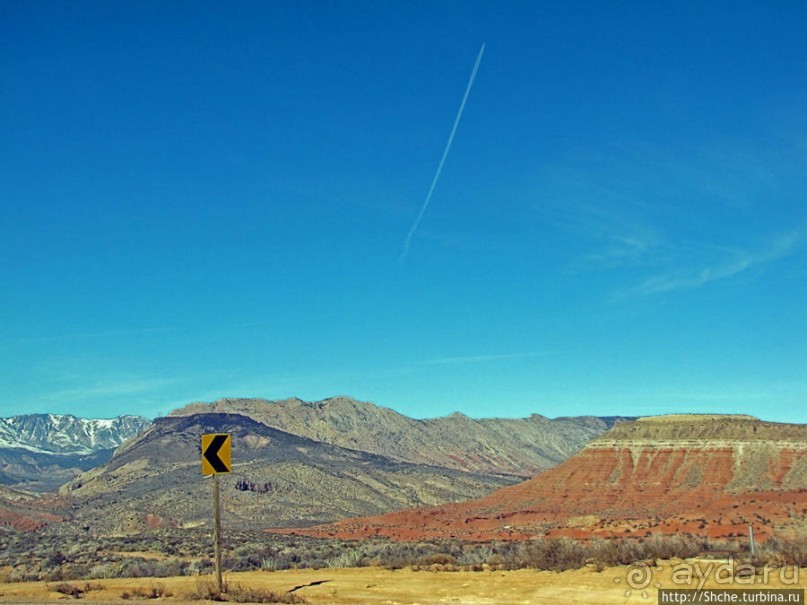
point(66, 434)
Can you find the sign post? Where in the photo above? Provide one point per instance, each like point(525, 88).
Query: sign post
point(217, 532)
point(216, 459)
point(751, 545)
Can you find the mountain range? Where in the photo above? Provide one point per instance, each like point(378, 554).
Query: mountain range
point(350, 469)
point(277, 479)
point(511, 446)
point(706, 475)
point(67, 434)
point(40, 452)
point(302, 463)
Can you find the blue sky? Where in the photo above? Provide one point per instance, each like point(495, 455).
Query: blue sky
point(204, 199)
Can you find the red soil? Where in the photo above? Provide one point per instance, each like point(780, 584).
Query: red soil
point(29, 514)
point(153, 521)
point(618, 491)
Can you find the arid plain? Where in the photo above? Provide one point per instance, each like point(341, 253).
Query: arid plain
point(404, 586)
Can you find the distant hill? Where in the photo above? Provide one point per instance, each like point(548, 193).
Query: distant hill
point(278, 479)
point(25, 511)
point(40, 452)
point(707, 475)
point(66, 434)
point(296, 463)
point(520, 446)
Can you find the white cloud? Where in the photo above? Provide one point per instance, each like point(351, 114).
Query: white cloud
point(739, 262)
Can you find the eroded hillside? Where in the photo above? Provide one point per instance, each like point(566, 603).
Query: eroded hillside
point(708, 475)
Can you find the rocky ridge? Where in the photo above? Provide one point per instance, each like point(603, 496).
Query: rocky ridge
point(513, 446)
point(277, 479)
point(40, 452)
point(710, 475)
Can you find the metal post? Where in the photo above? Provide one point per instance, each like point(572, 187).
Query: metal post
point(751, 541)
point(217, 531)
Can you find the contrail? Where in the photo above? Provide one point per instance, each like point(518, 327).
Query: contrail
point(442, 159)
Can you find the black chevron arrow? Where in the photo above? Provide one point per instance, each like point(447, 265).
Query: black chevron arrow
point(211, 454)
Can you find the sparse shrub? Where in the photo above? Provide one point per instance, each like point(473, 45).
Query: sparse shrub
point(156, 591)
point(239, 594)
point(439, 558)
point(69, 589)
point(55, 560)
point(56, 575)
point(347, 558)
point(475, 555)
point(105, 571)
point(558, 555)
point(75, 571)
point(242, 594)
point(243, 563)
point(596, 566)
point(669, 547)
point(195, 568)
point(437, 562)
point(788, 551)
point(397, 556)
point(604, 552)
point(207, 591)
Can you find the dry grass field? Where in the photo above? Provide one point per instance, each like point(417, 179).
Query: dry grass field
point(404, 586)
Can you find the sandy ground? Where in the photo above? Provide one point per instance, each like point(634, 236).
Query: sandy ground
point(371, 585)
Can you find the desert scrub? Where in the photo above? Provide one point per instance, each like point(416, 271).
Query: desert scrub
point(235, 593)
point(67, 557)
point(71, 590)
point(239, 594)
point(556, 555)
point(437, 562)
point(106, 571)
point(787, 551)
point(155, 591)
point(198, 567)
point(348, 558)
point(475, 555)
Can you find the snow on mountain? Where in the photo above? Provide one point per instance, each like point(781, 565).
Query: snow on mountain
point(67, 434)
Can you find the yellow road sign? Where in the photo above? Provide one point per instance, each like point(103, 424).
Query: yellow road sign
point(217, 453)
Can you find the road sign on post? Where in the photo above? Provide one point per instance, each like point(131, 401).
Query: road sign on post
point(217, 454)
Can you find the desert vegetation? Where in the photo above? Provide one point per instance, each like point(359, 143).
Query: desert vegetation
point(236, 593)
point(76, 560)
